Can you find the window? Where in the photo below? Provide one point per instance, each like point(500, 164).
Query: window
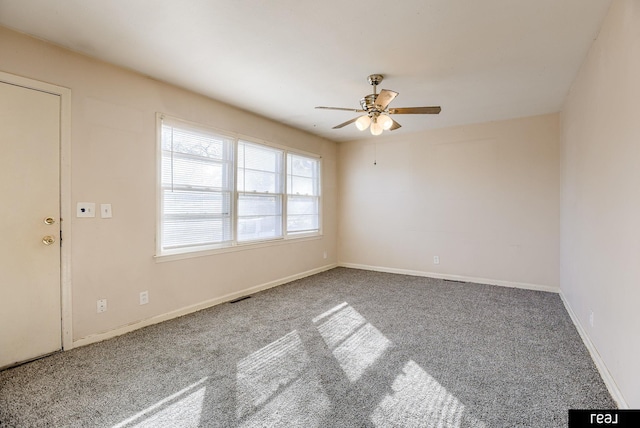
point(196, 187)
point(260, 189)
point(303, 194)
point(218, 191)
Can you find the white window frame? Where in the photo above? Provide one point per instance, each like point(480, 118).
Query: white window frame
point(233, 245)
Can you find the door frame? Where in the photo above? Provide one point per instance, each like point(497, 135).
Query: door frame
point(65, 195)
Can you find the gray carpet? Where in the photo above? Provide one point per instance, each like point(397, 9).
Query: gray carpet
point(344, 348)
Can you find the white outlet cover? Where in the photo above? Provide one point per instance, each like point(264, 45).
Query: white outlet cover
point(86, 209)
point(105, 211)
point(436, 260)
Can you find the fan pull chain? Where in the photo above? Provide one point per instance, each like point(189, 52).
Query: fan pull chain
point(375, 154)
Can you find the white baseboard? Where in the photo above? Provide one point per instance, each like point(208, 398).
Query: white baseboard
point(501, 283)
point(99, 337)
point(615, 392)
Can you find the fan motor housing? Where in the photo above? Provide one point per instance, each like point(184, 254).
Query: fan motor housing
point(368, 102)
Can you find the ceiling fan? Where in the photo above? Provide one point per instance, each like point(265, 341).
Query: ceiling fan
point(376, 110)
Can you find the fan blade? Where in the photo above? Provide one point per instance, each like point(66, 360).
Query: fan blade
point(415, 110)
point(395, 125)
point(384, 98)
point(342, 108)
point(348, 122)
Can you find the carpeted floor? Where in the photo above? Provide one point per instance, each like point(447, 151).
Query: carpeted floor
point(344, 348)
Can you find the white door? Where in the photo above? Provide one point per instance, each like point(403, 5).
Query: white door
point(30, 307)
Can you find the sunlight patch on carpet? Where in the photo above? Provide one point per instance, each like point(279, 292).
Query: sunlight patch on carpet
point(354, 342)
point(419, 400)
point(277, 386)
point(182, 409)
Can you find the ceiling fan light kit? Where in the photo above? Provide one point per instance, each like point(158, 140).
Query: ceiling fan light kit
point(385, 121)
point(376, 128)
point(363, 122)
point(376, 110)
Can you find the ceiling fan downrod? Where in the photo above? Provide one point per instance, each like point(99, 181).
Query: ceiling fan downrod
point(375, 80)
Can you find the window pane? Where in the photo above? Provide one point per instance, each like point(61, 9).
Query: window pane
point(251, 205)
point(301, 185)
point(193, 142)
point(302, 223)
point(260, 158)
point(257, 228)
point(302, 175)
point(259, 217)
point(183, 170)
point(259, 169)
point(302, 166)
point(195, 218)
point(257, 181)
point(302, 205)
point(196, 204)
point(178, 232)
point(302, 213)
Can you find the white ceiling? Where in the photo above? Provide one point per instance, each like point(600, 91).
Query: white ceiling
point(480, 60)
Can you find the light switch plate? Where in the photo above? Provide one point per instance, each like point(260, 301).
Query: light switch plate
point(105, 211)
point(86, 209)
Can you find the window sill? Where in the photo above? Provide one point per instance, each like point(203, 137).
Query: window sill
point(189, 254)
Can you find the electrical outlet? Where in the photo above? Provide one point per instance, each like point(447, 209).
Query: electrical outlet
point(436, 260)
point(591, 318)
point(144, 297)
point(324, 255)
point(102, 305)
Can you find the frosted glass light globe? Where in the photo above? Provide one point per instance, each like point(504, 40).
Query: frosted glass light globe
point(363, 122)
point(376, 129)
point(385, 121)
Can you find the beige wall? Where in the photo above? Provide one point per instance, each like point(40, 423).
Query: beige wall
point(600, 241)
point(113, 150)
point(484, 198)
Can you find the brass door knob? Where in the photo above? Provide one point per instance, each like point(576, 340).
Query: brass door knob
point(49, 220)
point(48, 240)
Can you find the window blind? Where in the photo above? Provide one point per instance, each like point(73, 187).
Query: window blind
point(196, 187)
point(260, 188)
